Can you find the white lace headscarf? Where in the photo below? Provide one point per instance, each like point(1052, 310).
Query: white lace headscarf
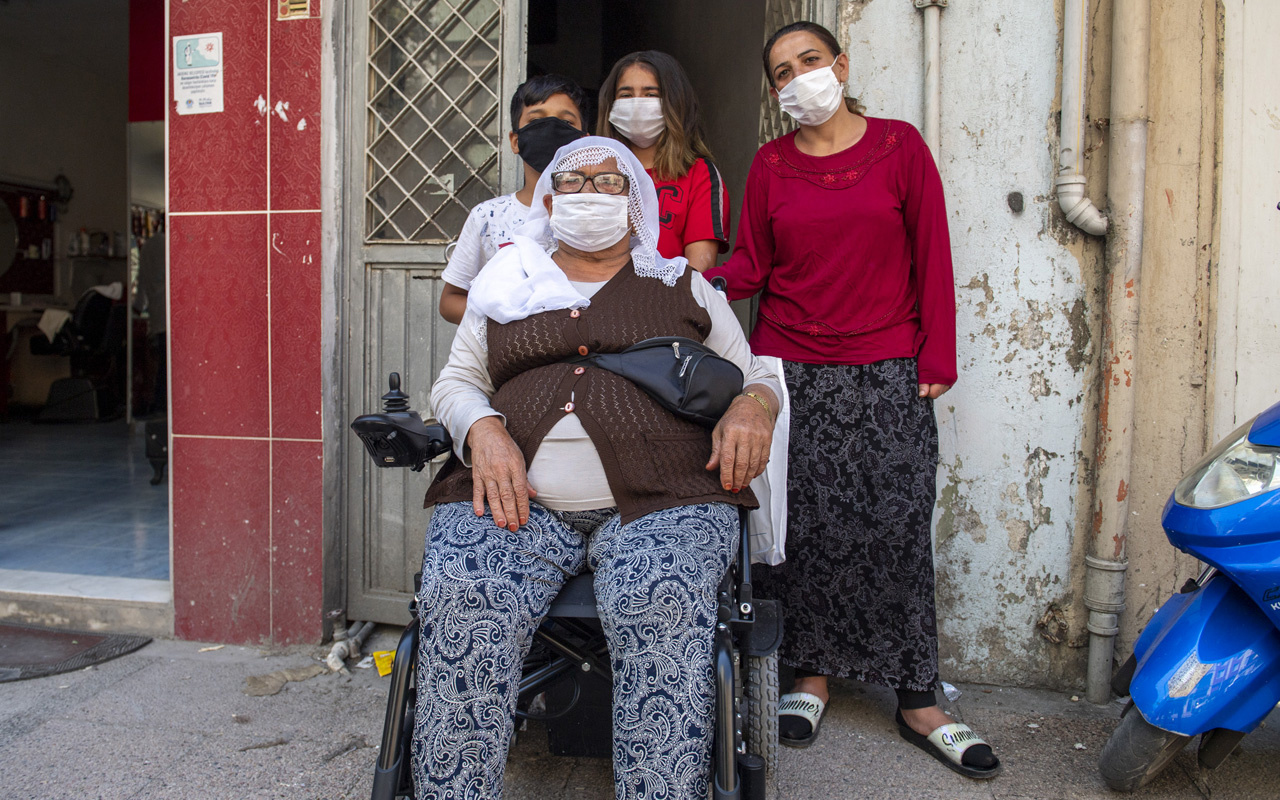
point(642, 205)
point(521, 280)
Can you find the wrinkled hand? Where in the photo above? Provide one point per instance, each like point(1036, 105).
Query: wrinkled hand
point(740, 442)
point(933, 390)
point(498, 474)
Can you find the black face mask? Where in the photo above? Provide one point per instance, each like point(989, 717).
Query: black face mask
point(539, 140)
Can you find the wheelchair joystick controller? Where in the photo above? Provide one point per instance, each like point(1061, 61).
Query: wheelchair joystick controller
point(395, 401)
point(398, 437)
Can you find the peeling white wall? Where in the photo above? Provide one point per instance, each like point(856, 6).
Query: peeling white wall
point(1012, 426)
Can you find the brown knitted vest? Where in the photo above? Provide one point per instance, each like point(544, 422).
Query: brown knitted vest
point(652, 459)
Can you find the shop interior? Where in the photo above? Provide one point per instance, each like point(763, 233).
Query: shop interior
point(82, 295)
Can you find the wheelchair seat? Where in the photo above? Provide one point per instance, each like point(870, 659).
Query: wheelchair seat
point(577, 598)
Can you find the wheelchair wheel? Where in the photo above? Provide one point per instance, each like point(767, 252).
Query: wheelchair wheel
point(762, 715)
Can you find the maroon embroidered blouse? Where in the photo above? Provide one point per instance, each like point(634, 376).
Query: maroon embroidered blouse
point(850, 254)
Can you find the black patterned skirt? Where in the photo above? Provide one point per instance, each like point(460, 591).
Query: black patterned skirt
point(857, 586)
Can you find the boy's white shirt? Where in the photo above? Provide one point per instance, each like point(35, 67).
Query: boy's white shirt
point(489, 225)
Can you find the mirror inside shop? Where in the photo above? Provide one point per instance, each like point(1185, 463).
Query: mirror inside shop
point(85, 503)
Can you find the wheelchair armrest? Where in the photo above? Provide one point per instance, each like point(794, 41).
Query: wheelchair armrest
point(401, 439)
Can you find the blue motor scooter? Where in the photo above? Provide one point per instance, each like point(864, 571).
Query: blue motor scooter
point(1208, 662)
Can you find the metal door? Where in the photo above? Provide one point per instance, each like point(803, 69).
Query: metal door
point(424, 100)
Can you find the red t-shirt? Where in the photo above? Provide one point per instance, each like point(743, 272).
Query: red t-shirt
point(692, 208)
point(850, 254)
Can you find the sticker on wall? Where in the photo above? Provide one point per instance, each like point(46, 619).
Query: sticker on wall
point(197, 73)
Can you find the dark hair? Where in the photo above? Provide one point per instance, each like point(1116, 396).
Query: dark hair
point(682, 141)
point(825, 36)
point(536, 91)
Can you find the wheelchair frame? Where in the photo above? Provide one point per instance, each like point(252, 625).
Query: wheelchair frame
point(747, 634)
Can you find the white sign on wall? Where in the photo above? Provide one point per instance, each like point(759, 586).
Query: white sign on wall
point(197, 73)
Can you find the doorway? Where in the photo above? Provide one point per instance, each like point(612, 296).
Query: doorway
point(716, 41)
point(81, 176)
point(425, 102)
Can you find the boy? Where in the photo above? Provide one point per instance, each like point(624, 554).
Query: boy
point(547, 112)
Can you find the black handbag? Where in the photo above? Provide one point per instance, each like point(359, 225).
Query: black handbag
point(688, 378)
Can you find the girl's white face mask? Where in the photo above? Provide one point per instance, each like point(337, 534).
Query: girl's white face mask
point(639, 119)
point(813, 97)
point(588, 221)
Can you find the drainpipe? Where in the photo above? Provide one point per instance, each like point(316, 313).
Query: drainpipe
point(1105, 566)
point(932, 71)
point(348, 646)
point(1070, 182)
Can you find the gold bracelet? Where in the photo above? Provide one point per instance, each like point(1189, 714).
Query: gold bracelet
point(759, 399)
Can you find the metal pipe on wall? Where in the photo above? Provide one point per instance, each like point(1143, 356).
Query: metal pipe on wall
point(932, 10)
point(1126, 182)
point(1070, 181)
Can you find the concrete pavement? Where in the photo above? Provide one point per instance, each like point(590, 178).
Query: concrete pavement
point(169, 721)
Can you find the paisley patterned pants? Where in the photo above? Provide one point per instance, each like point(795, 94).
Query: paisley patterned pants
point(484, 592)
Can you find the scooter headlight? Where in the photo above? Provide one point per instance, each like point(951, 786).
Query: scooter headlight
point(1235, 470)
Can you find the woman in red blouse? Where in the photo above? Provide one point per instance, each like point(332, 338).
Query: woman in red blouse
point(843, 234)
point(648, 104)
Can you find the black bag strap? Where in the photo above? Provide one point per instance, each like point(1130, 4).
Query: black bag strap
point(676, 343)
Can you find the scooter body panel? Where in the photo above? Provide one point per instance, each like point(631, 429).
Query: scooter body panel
point(1208, 659)
point(1254, 520)
point(1241, 540)
point(1266, 428)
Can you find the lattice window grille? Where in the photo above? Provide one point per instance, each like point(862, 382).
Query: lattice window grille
point(775, 122)
point(433, 114)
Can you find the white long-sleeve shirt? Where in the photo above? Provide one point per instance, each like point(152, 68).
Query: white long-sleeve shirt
point(566, 470)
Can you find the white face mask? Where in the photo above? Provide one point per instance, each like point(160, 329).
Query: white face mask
point(813, 97)
point(639, 119)
point(588, 221)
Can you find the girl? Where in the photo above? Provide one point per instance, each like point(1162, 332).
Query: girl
point(648, 104)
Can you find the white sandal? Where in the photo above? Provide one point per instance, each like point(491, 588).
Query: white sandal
point(807, 707)
point(948, 743)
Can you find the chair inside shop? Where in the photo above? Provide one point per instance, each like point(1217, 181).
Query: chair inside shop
point(93, 338)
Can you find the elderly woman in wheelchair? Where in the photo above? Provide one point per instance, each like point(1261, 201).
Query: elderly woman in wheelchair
point(561, 466)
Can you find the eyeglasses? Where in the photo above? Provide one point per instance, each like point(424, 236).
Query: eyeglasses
point(572, 182)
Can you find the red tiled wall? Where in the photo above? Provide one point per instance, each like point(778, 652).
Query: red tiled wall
point(244, 267)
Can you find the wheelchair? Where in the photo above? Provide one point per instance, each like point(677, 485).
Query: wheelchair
point(569, 647)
